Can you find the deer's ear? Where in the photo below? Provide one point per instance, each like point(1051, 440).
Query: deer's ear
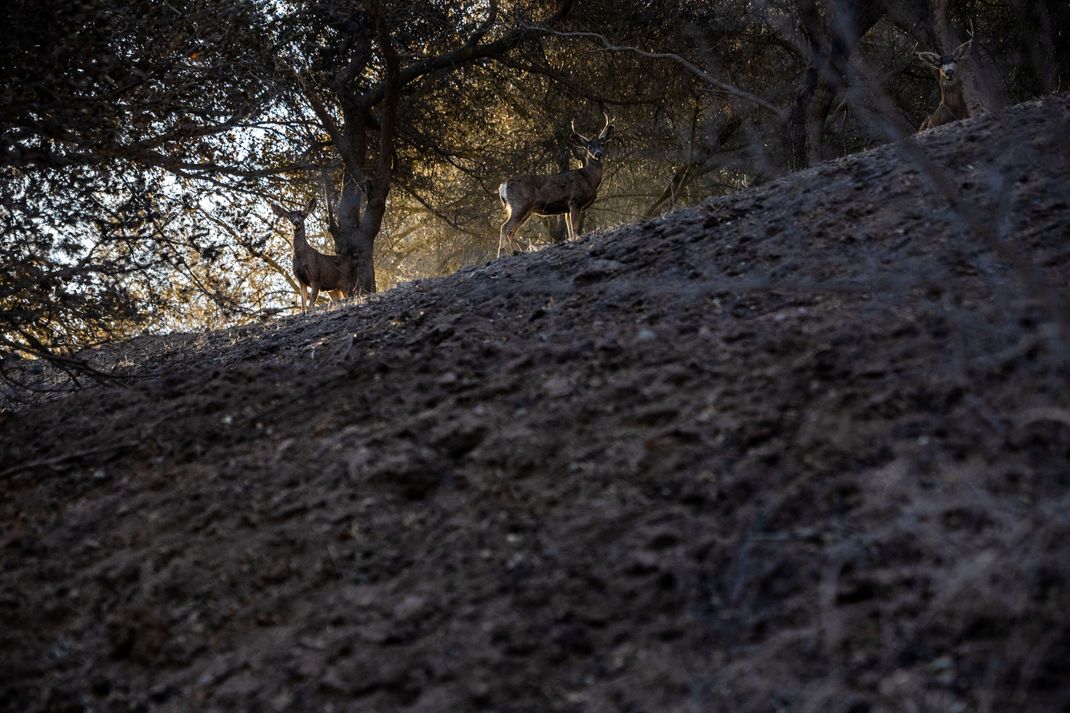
point(963, 50)
point(278, 211)
point(607, 133)
point(577, 140)
point(310, 206)
point(930, 58)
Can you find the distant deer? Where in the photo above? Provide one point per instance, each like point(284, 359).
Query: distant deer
point(333, 274)
point(569, 193)
point(952, 100)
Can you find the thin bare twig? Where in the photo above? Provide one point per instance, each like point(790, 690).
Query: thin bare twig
point(692, 69)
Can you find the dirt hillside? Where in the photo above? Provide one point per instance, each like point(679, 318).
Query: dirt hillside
point(805, 448)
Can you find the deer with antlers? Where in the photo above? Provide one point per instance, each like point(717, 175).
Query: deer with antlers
point(569, 193)
point(334, 274)
point(952, 105)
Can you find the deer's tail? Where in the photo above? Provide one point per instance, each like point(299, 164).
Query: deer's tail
point(503, 194)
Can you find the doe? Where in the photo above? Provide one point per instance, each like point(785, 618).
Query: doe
point(334, 274)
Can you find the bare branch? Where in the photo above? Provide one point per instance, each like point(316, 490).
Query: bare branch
point(314, 100)
point(694, 70)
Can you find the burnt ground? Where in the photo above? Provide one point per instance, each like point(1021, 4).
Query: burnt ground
point(804, 448)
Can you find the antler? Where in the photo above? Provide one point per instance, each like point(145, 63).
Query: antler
point(584, 138)
point(962, 49)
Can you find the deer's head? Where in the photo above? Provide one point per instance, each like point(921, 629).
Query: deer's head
point(594, 149)
point(945, 65)
point(296, 217)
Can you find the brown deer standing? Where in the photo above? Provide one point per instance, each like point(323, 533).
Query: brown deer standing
point(952, 100)
point(569, 193)
point(334, 274)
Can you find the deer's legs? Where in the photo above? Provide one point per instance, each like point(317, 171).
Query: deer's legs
point(313, 296)
point(509, 229)
point(304, 297)
point(514, 231)
point(501, 237)
point(574, 220)
point(505, 225)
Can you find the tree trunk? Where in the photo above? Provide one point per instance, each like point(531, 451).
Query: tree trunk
point(354, 230)
point(360, 248)
point(362, 203)
point(833, 36)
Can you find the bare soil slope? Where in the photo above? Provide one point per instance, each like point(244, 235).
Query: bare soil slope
point(805, 448)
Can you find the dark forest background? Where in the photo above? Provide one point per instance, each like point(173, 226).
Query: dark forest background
point(141, 141)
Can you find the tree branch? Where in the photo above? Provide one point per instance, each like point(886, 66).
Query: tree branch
point(467, 53)
point(314, 100)
point(691, 68)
